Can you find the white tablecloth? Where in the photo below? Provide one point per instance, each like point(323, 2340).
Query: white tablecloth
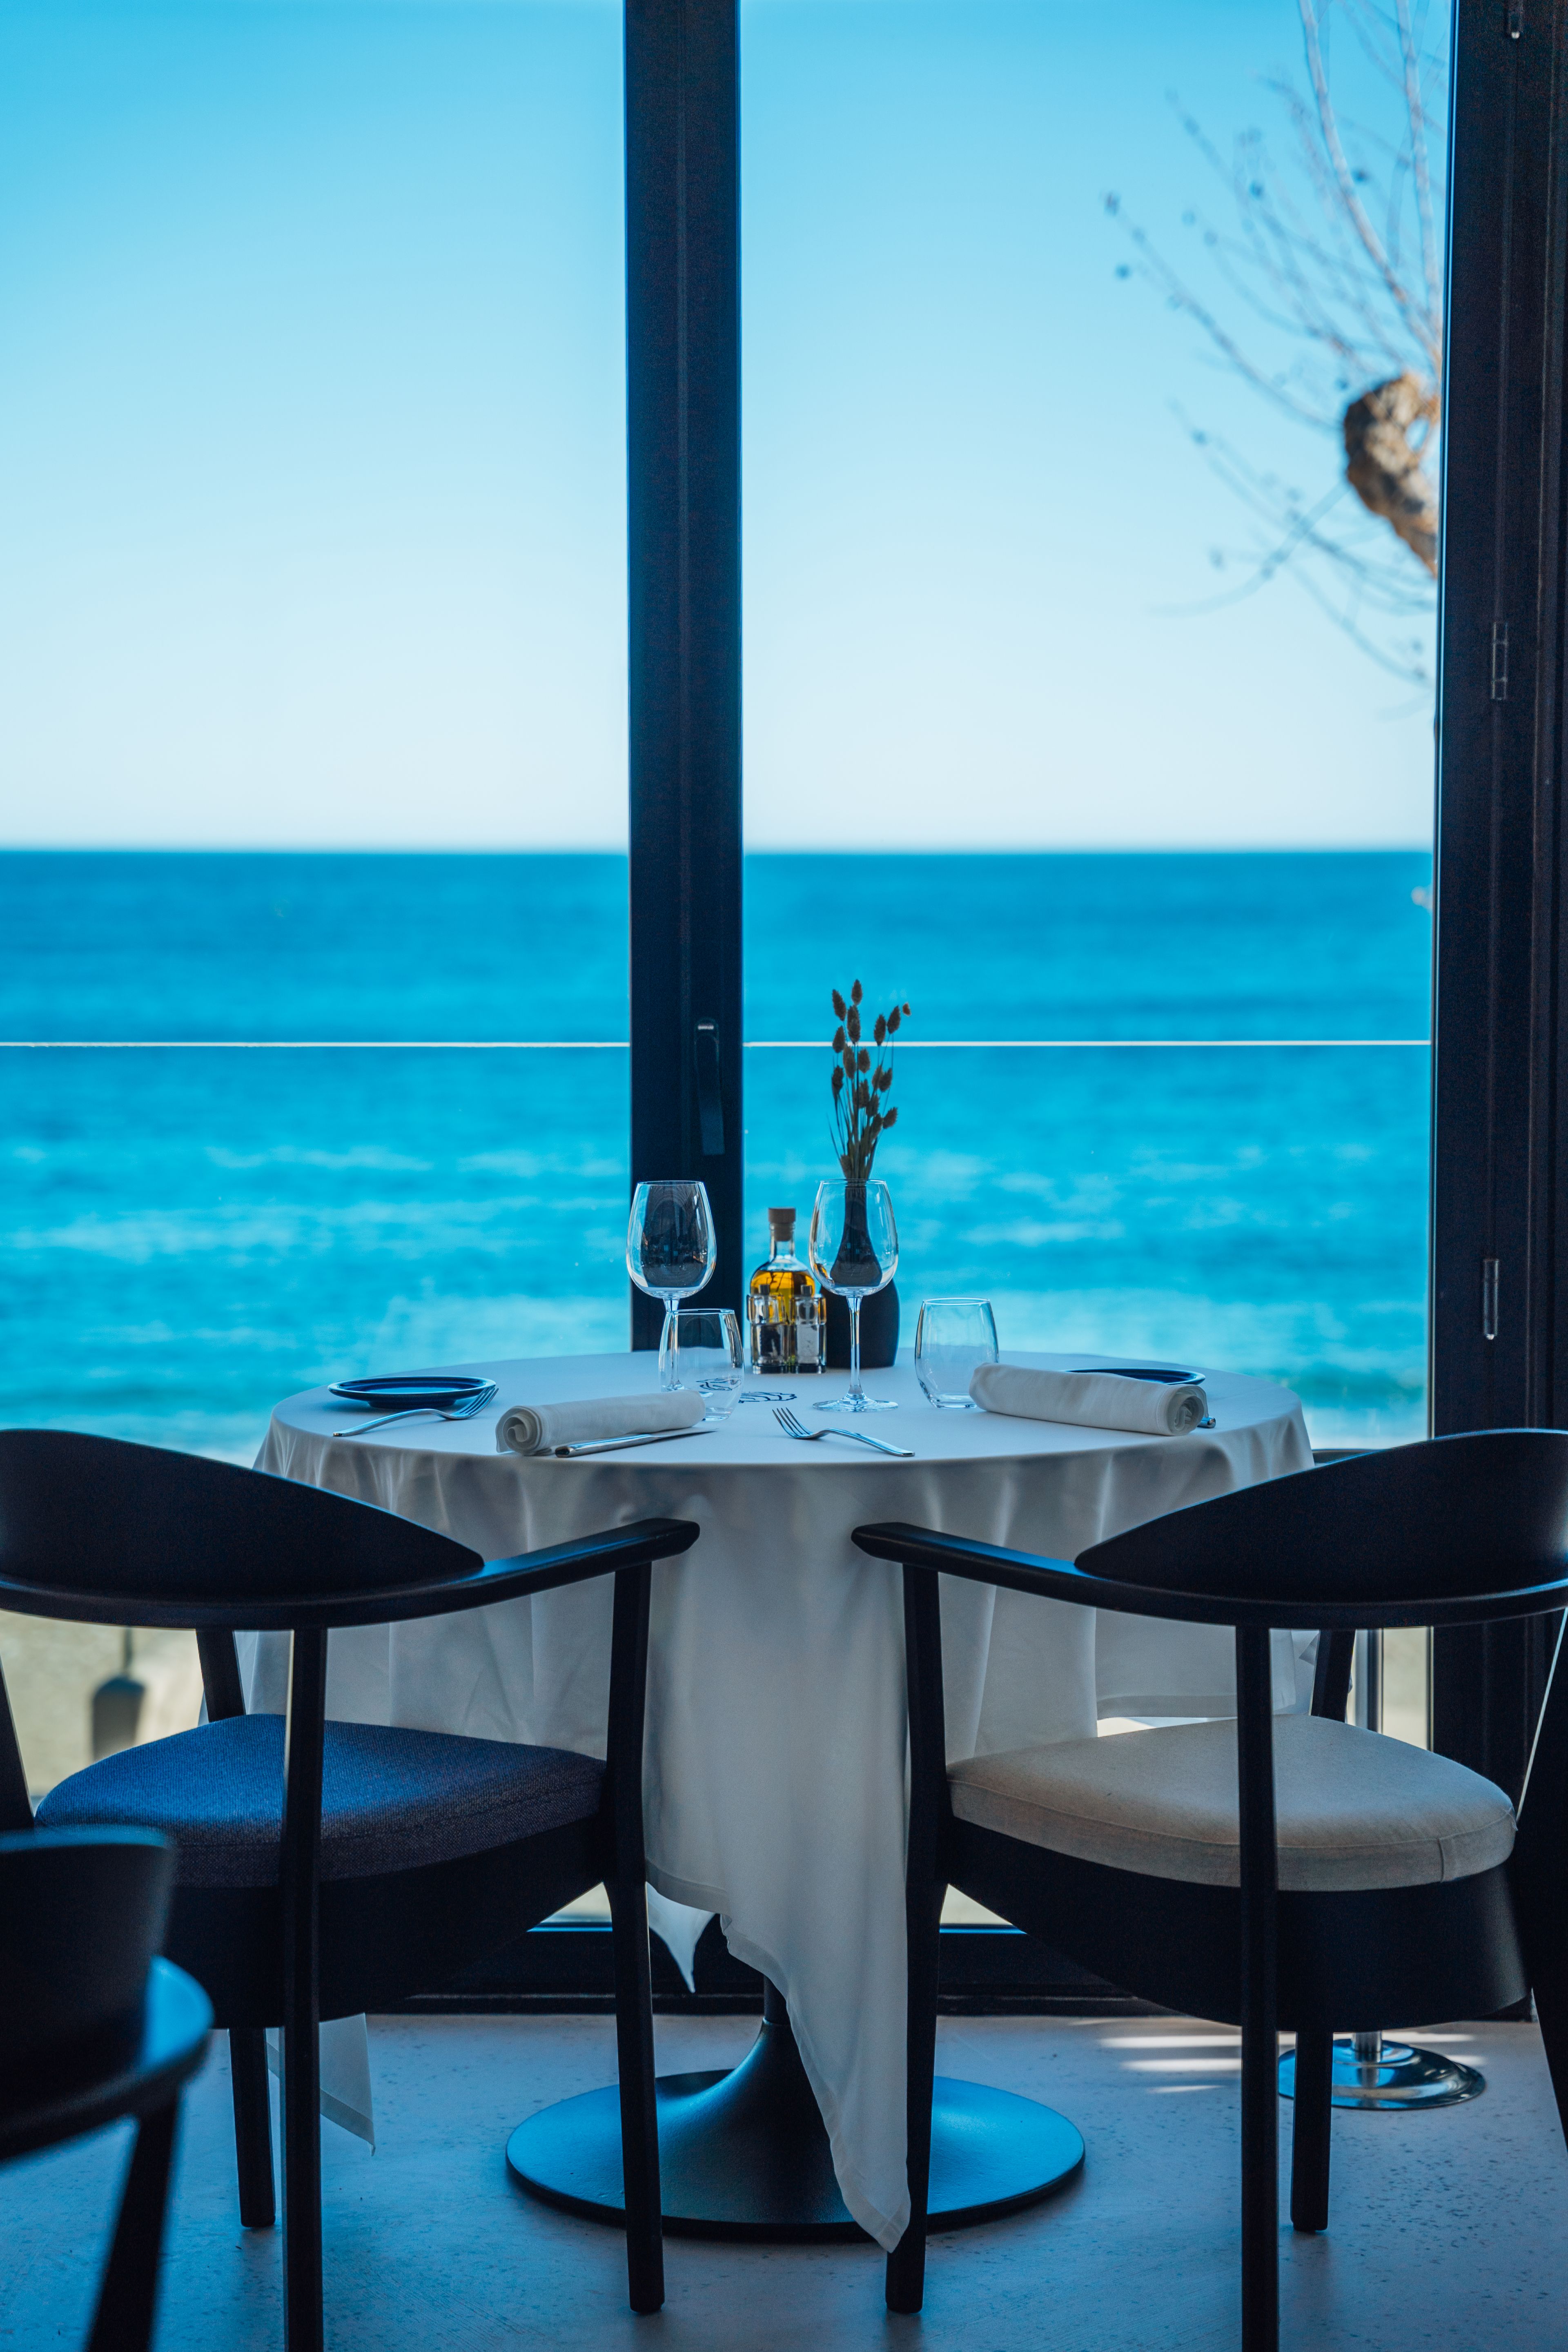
point(775, 1759)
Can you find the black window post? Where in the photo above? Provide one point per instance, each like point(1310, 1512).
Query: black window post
point(1500, 1265)
point(683, 433)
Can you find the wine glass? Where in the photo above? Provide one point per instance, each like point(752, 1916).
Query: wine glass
point(710, 1356)
point(953, 1339)
point(671, 1250)
point(853, 1250)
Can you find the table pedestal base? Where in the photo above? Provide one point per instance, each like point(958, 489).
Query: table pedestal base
point(1390, 2076)
point(744, 2154)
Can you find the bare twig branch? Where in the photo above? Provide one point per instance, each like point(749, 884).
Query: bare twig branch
point(1360, 337)
point(1419, 324)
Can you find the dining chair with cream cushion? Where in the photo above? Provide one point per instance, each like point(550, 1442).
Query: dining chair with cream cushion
point(325, 1868)
point(1271, 1870)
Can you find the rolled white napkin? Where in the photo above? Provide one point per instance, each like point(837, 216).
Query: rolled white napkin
point(536, 1428)
point(1095, 1399)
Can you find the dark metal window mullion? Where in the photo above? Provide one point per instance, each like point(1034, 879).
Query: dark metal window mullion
point(684, 611)
point(1498, 1155)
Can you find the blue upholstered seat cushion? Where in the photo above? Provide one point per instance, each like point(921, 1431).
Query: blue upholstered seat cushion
point(391, 1798)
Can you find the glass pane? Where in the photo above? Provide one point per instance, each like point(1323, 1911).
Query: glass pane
point(1045, 733)
point(1088, 702)
point(312, 392)
point(1144, 1171)
point(313, 458)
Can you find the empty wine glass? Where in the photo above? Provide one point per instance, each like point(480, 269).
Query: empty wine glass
point(853, 1250)
point(710, 1356)
point(671, 1250)
point(953, 1339)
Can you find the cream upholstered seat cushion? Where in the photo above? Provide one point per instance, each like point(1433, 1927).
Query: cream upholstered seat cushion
point(1353, 1808)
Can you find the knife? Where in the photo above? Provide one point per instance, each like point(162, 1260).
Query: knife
point(616, 1444)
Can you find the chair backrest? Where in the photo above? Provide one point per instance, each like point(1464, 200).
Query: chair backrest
point(82, 1914)
point(1450, 1519)
point(93, 1519)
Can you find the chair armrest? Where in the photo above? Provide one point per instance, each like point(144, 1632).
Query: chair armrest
point(1025, 1571)
point(1051, 1580)
point(574, 1563)
point(496, 1579)
point(1062, 1579)
point(517, 1578)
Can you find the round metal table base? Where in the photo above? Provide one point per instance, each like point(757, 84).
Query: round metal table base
point(1401, 2076)
point(744, 2154)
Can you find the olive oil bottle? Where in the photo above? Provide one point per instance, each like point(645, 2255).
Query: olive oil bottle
point(785, 1314)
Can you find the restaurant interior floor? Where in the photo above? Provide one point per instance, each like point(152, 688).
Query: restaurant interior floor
point(1449, 2229)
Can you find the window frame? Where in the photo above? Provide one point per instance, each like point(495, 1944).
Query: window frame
point(1499, 1315)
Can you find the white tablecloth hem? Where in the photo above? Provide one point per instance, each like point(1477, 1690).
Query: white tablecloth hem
point(689, 1891)
point(886, 2228)
point(678, 1926)
point(344, 2060)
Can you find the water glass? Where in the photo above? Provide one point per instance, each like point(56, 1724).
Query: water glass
point(953, 1339)
point(671, 1250)
point(853, 1251)
point(710, 1356)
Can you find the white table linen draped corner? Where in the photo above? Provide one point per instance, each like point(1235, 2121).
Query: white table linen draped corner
point(775, 1759)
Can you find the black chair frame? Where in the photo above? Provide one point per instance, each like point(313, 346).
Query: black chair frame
point(1253, 1955)
point(304, 1948)
point(122, 2035)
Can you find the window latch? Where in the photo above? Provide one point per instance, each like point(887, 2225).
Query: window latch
point(1500, 661)
point(1488, 1297)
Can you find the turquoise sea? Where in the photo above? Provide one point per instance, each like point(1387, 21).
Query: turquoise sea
point(190, 1230)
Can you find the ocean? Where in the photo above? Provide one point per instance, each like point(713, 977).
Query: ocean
point(188, 1234)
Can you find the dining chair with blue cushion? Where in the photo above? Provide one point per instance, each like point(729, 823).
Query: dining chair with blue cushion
point(1271, 1870)
point(94, 2028)
point(326, 1868)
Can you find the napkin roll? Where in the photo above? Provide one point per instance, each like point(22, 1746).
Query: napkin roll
point(536, 1428)
point(1094, 1400)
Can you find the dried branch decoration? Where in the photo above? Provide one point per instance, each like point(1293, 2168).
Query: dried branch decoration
point(862, 1111)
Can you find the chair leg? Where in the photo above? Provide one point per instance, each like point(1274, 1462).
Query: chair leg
point(252, 2125)
point(304, 1740)
point(1260, 1999)
point(640, 2119)
point(1311, 2129)
point(301, 2136)
point(1259, 2192)
point(1549, 1986)
point(905, 2289)
point(128, 2296)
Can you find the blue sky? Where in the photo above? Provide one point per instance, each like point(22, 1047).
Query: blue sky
point(312, 436)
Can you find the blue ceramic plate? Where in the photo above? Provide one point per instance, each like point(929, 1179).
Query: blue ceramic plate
point(394, 1392)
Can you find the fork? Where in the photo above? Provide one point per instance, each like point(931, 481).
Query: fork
point(793, 1426)
point(463, 1411)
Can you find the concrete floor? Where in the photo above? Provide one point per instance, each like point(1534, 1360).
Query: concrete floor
point(1450, 2230)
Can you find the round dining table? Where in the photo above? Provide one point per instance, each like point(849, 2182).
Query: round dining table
point(775, 1757)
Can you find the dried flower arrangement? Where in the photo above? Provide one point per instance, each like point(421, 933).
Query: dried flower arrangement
point(862, 1111)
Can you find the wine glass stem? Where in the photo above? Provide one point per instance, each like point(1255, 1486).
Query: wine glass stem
point(856, 1390)
point(668, 1368)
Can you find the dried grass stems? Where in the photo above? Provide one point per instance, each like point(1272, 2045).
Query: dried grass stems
point(862, 1081)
